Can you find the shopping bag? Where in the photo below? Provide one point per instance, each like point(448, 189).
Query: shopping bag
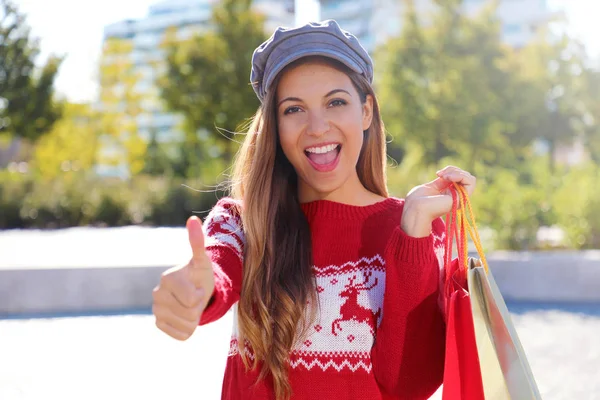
point(484, 356)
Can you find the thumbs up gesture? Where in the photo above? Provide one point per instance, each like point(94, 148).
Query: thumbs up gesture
point(184, 291)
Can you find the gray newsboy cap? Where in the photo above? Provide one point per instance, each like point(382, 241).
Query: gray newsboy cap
point(287, 45)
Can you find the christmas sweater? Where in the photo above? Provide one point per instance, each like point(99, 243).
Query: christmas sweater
point(380, 330)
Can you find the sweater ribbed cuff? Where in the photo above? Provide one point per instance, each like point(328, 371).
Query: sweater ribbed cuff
point(224, 293)
point(408, 249)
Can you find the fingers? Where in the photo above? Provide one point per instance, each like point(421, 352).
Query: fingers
point(172, 317)
point(426, 202)
point(169, 318)
point(455, 174)
point(448, 168)
point(184, 291)
point(184, 294)
point(439, 184)
point(171, 331)
point(196, 238)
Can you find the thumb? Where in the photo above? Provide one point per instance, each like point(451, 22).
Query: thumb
point(200, 267)
point(196, 238)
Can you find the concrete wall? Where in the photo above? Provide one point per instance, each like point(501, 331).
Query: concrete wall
point(549, 277)
point(76, 290)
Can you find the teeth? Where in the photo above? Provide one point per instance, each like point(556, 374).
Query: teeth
point(322, 149)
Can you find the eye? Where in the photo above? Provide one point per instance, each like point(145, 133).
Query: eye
point(338, 102)
point(291, 110)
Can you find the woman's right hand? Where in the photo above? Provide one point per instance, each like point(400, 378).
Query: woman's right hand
point(184, 291)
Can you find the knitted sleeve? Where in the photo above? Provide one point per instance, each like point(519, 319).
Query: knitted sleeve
point(224, 243)
point(410, 340)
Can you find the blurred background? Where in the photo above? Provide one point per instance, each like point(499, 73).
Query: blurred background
point(119, 119)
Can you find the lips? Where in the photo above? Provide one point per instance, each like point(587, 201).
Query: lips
point(324, 157)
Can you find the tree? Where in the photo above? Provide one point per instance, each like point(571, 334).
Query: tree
point(590, 120)
point(27, 105)
point(207, 81)
point(158, 161)
point(121, 105)
point(70, 146)
point(556, 67)
point(446, 86)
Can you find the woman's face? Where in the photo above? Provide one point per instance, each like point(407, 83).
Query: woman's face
point(321, 120)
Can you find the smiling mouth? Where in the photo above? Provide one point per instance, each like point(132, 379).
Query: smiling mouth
point(324, 158)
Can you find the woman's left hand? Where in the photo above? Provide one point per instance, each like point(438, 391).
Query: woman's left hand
point(426, 202)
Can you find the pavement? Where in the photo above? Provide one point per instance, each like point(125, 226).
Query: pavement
point(127, 357)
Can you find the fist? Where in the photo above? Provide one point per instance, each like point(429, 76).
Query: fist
point(184, 291)
point(431, 200)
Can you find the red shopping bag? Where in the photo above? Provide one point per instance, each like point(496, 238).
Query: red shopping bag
point(462, 373)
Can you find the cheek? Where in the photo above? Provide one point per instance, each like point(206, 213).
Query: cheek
point(288, 140)
point(354, 134)
point(357, 145)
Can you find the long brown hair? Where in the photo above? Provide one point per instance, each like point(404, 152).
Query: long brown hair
point(277, 276)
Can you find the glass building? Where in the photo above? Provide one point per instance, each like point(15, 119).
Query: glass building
point(146, 35)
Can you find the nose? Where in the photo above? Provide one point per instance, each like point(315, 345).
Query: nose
point(318, 124)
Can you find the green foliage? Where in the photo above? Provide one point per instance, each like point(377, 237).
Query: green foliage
point(13, 190)
point(577, 206)
point(70, 201)
point(446, 86)
point(207, 82)
point(515, 204)
point(590, 121)
point(27, 105)
point(80, 199)
point(401, 177)
point(71, 144)
point(453, 93)
point(121, 106)
point(555, 69)
point(453, 88)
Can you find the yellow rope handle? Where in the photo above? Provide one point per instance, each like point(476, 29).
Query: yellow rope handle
point(470, 227)
point(461, 220)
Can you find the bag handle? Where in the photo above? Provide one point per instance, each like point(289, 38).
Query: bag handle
point(458, 225)
point(455, 228)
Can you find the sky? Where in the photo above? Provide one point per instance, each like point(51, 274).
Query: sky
point(74, 28)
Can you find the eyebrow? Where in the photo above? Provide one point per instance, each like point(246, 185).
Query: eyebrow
point(331, 93)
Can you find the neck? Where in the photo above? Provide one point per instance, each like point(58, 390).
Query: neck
point(352, 192)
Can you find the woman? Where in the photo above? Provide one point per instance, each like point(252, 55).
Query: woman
point(335, 285)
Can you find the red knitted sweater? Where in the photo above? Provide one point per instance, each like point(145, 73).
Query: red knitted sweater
point(380, 333)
